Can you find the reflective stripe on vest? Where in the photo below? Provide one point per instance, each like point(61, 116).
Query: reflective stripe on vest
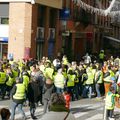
point(20, 92)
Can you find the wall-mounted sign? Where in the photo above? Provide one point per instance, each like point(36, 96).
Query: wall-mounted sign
point(65, 14)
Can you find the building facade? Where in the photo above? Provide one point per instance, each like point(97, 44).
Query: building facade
point(36, 28)
point(32, 27)
point(90, 32)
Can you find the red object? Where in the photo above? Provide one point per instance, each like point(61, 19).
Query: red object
point(89, 35)
point(67, 99)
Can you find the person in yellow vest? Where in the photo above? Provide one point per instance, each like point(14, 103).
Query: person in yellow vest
point(107, 79)
point(2, 82)
point(88, 87)
point(110, 103)
point(71, 82)
point(49, 71)
point(65, 60)
point(98, 80)
point(9, 81)
point(15, 70)
point(101, 56)
point(26, 78)
point(18, 97)
point(76, 72)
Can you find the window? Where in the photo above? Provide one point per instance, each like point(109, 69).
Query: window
point(4, 21)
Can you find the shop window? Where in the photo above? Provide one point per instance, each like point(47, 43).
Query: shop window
point(4, 21)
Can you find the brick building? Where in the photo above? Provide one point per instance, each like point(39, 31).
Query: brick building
point(32, 27)
point(90, 32)
point(46, 27)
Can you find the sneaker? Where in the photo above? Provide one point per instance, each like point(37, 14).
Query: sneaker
point(111, 118)
point(24, 118)
point(34, 117)
point(98, 98)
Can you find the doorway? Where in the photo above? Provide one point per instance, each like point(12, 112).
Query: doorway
point(3, 50)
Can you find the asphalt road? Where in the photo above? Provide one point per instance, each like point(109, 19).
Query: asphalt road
point(84, 109)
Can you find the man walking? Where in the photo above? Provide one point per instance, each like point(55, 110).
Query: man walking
point(18, 97)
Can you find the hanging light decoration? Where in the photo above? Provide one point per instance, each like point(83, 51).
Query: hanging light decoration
point(100, 11)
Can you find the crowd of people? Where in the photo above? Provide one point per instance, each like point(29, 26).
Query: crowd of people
point(35, 81)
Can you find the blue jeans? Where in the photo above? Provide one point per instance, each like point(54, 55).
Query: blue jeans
point(76, 89)
point(15, 105)
point(59, 90)
point(87, 89)
point(97, 86)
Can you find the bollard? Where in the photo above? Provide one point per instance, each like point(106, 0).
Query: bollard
point(105, 114)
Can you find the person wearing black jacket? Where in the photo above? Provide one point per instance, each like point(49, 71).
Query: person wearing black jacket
point(33, 95)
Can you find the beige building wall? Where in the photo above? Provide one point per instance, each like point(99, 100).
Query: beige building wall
point(20, 29)
point(50, 3)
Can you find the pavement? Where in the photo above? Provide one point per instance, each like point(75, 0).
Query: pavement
point(84, 109)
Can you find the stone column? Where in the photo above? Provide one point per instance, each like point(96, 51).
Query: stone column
point(20, 29)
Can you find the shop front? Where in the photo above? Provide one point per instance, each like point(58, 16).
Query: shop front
point(3, 41)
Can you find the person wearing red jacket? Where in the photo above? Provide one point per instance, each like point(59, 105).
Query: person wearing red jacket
point(67, 99)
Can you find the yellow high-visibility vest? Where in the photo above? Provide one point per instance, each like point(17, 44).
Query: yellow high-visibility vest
point(2, 77)
point(20, 92)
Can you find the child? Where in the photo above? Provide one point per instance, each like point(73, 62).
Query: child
point(5, 114)
point(67, 99)
point(110, 102)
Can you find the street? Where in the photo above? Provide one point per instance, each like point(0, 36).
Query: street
point(84, 109)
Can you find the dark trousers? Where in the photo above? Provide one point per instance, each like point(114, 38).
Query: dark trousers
point(76, 89)
point(32, 108)
point(71, 92)
point(8, 90)
point(41, 94)
point(110, 113)
point(2, 90)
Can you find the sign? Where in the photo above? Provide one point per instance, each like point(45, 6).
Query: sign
point(64, 14)
point(4, 39)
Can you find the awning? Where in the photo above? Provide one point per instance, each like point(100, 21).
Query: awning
point(113, 39)
point(3, 39)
